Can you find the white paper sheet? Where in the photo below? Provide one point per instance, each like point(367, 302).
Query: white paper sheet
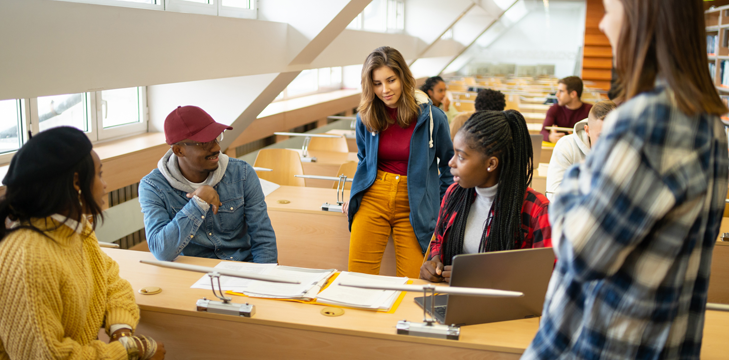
point(268, 187)
point(363, 298)
point(232, 283)
point(307, 278)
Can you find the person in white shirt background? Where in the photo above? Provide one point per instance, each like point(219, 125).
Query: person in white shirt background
point(573, 148)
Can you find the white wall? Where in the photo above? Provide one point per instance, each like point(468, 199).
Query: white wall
point(538, 39)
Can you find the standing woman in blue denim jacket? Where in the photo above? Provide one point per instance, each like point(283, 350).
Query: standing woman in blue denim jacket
point(401, 137)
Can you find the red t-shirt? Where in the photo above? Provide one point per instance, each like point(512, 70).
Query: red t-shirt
point(393, 151)
point(561, 116)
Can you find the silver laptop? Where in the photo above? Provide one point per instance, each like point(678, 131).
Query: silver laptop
point(537, 149)
point(527, 270)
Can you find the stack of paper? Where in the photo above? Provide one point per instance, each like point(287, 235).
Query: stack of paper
point(361, 298)
point(233, 283)
point(310, 281)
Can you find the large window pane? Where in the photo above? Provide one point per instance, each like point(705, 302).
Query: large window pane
point(153, 2)
point(120, 107)
point(241, 4)
point(375, 16)
point(337, 76)
point(306, 82)
point(10, 120)
point(59, 110)
point(325, 78)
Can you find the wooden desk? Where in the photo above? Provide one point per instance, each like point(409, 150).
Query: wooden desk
point(309, 237)
point(287, 330)
point(719, 281)
point(327, 164)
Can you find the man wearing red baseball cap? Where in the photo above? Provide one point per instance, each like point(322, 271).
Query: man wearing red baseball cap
point(199, 202)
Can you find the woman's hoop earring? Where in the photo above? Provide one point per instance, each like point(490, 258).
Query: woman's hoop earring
point(79, 198)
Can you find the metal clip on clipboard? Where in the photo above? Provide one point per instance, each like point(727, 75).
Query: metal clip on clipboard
point(225, 306)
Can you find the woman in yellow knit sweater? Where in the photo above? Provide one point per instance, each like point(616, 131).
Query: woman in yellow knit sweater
point(57, 288)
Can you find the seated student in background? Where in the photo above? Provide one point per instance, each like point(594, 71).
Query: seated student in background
point(199, 202)
point(435, 87)
point(568, 110)
point(57, 288)
point(490, 206)
point(573, 148)
point(486, 99)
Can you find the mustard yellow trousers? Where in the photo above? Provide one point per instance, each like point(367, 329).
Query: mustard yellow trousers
point(384, 210)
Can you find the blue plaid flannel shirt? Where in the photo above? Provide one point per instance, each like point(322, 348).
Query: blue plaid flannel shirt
point(634, 227)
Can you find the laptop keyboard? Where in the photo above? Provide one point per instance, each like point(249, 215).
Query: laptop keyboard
point(440, 311)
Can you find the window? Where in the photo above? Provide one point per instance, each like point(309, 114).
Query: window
point(121, 112)
point(313, 81)
point(142, 4)
point(12, 125)
point(101, 115)
point(231, 8)
point(381, 16)
point(395, 15)
point(63, 110)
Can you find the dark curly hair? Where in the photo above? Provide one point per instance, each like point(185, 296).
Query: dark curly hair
point(430, 83)
point(488, 99)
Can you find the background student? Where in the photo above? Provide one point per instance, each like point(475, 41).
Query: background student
point(57, 288)
point(636, 223)
point(573, 148)
point(435, 88)
point(490, 207)
point(568, 110)
point(397, 186)
point(487, 99)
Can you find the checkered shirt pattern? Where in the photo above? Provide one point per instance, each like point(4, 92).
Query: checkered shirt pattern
point(634, 229)
point(534, 217)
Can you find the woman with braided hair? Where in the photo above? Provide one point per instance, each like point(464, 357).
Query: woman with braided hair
point(490, 206)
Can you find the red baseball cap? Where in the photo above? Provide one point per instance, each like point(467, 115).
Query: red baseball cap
point(191, 122)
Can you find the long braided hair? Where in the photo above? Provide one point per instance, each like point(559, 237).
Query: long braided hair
point(503, 134)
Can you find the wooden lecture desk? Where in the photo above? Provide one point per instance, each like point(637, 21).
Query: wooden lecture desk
point(309, 237)
point(288, 330)
point(327, 164)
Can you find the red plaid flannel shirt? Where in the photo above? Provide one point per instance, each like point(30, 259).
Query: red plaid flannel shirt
point(534, 222)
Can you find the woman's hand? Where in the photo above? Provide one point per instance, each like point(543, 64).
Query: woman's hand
point(345, 208)
point(432, 270)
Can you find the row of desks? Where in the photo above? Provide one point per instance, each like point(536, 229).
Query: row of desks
point(289, 330)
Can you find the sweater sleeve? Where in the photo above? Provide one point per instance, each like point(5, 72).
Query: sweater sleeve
point(31, 312)
point(558, 164)
point(549, 120)
point(121, 306)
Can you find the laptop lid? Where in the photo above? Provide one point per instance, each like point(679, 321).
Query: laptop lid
point(537, 148)
point(527, 270)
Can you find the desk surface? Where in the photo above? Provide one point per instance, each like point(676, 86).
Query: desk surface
point(178, 298)
point(303, 199)
point(330, 157)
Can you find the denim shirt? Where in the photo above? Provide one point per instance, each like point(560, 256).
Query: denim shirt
point(176, 225)
point(429, 175)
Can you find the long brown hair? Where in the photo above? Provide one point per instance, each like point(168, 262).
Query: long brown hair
point(666, 37)
point(371, 109)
